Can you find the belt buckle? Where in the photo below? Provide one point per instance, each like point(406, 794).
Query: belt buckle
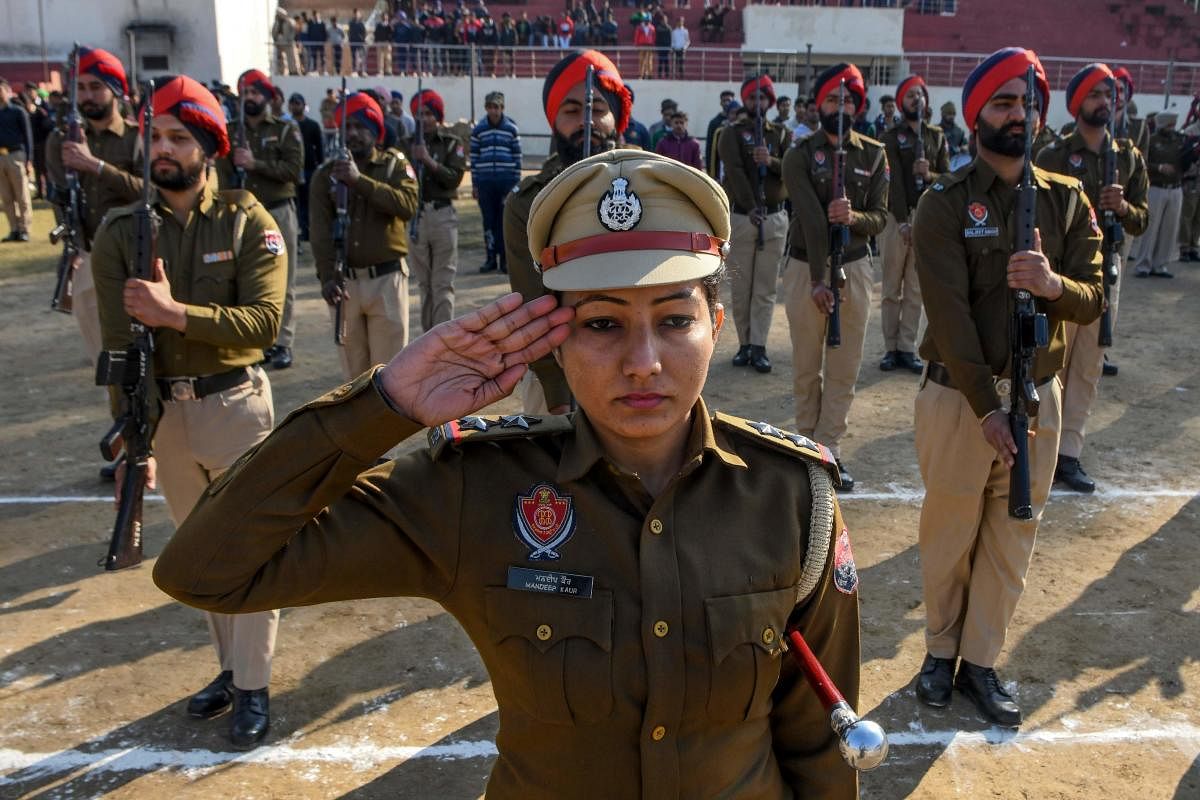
point(1004, 387)
point(183, 390)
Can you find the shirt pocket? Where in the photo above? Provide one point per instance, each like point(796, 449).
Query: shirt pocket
point(553, 653)
point(744, 633)
point(215, 283)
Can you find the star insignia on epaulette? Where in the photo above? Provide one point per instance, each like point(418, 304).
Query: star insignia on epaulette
point(767, 429)
point(473, 423)
point(800, 441)
point(518, 421)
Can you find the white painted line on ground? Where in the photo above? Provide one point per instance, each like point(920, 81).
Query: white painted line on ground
point(363, 756)
point(902, 494)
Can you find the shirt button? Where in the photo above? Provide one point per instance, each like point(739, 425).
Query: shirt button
point(661, 628)
point(768, 635)
point(658, 733)
point(656, 526)
point(544, 632)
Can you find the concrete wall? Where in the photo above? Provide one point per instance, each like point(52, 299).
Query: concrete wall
point(854, 32)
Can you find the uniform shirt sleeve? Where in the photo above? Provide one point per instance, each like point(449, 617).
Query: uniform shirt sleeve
point(805, 745)
point(396, 197)
point(941, 259)
point(1137, 191)
point(737, 184)
point(110, 269)
point(303, 519)
point(871, 221)
point(261, 279)
point(449, 172)
point(898, 195)
point(54, 165)
point(120, 183)
point(809, 209)
point(289, 166)
point(939, 165)
point(320, 223)
point(1082, 298)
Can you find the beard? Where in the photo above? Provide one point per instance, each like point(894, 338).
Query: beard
point(570, 149)
point(359, 150)
point(1098, 118)
point(829, 123)
point(911, 116)
point(1001, 141)
point(253, 108)
point(176, 178)
point(95, 112)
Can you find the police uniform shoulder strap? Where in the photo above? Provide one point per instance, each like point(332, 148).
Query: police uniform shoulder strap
point(477, 429)
point(822, 472)
point(241, 201)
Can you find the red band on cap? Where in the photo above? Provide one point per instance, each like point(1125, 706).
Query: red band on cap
point(702, 243)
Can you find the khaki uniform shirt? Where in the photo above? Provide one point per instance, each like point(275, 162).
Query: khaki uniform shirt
point(278, 160)
point(1045, 137)
point(900, 143)
point(963, 237)
point(524, 277)
point(736, 149)
point(447, 150)
point(1135, 131)
point(808, 172)
point(1072, 157)
point(1168, 147)
point(379, 204)
point(668, 681)
point(118, 184)
point(231, 282)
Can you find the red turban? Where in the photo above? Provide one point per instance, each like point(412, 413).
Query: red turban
point(194, 106)
point(259, 80)
point(829, 81)
point(363, 108)
point(996, 70)
point(1082, 84)
point(429, 99)
point(761, 83)
point(906, 86)
point(572, 71)
point(105, 66)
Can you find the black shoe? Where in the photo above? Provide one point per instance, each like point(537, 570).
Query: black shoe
point(489, 266)
point(758, 358)
point(935, 682)
point(1141, 272)
point(503, 268)
point(846, 478)
point(888, 362)
point(282, 358)
point(268, 354)
point(1110, 369)
point(743, 356)
point(910, 362)
point(109, 471)
point(213, 699)
point(16, 236)
point(1070, 471)
point(251, 717)
point(982, 685)
point(1157, 272)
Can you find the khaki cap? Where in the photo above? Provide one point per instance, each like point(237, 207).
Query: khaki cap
point(628, 218)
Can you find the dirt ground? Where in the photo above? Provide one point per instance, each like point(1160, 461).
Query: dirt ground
point(386, 698)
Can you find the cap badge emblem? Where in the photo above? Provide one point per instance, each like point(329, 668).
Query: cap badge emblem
point(620, 209)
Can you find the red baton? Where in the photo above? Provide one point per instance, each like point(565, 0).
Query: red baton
point(863, 744)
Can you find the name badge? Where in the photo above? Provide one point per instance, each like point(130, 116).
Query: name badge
point(980, 233)
point(540, 580)
point(866, 173)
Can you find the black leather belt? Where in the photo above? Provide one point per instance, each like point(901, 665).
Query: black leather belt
point(437, 204)
point(938, 373)
point(375, 270)
point(1166, 185)
point(175, 389)
point(852, 254)
point(771, 209)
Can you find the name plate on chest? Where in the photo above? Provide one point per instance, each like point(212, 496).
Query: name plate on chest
point(547, 582)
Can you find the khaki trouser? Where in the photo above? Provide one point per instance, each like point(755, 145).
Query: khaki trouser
point(285, 217)
point(376, 315)
point(973, 555)
point(900, 306)
point(1080, 375)
point(433, 258)
point(285, 58)
point(1157, 245)
point(383, 55)
point(1189, 220)
point(646, 62)
point(755, 274)
point(823, 377)
point(14, 192)
point(196, 441)
point(85, 308)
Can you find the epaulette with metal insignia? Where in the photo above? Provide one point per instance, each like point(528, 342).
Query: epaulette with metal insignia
point(479, 428)
point(778, 439)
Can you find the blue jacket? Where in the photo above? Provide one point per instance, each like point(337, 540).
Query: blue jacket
point(496, 151)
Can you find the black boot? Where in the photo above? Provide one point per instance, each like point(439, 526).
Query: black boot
point(758, 358)
point(1070, 471)
point(982, 685)
point(910, 362)
point(251, 717)
point(490, 265)
point(935, 682)
point(888, 362)
point(1109, 368)
point(846, 478)
point(743, 356)
point(213, 699)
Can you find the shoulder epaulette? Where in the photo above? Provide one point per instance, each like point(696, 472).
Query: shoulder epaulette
point(948, 179)
point(479, 428)
point(782, 441)
point(239, 198)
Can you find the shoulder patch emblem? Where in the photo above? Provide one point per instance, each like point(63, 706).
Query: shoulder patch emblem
point(978, 213)
point(845, 575)
point(819, 157)
point(544, 520)
point(1092, 220)
point(273, 240)
point(620, 209)
point(412, 174)
point(1075, 160)
point(938, 187)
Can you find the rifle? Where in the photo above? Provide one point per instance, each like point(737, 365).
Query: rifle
point(589, 101)
point(839, 235)
point(1114, 234)
point(418, 141)
point(239, 173)
point(70, 230)
point(341, 223)
point(760, 186)
point(1028, 329)
point(132, 369)
point(919, 146)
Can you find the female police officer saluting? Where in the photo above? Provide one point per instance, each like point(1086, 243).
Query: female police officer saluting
point(627, 571)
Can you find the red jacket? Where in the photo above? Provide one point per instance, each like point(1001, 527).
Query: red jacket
point(685, 150)
point(644, 34)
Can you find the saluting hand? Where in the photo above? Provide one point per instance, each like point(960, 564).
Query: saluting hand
point(151, 303)
point(1029, 269)
point(460, 366)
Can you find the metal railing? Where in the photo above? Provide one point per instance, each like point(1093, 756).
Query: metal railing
point(1150, 77)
